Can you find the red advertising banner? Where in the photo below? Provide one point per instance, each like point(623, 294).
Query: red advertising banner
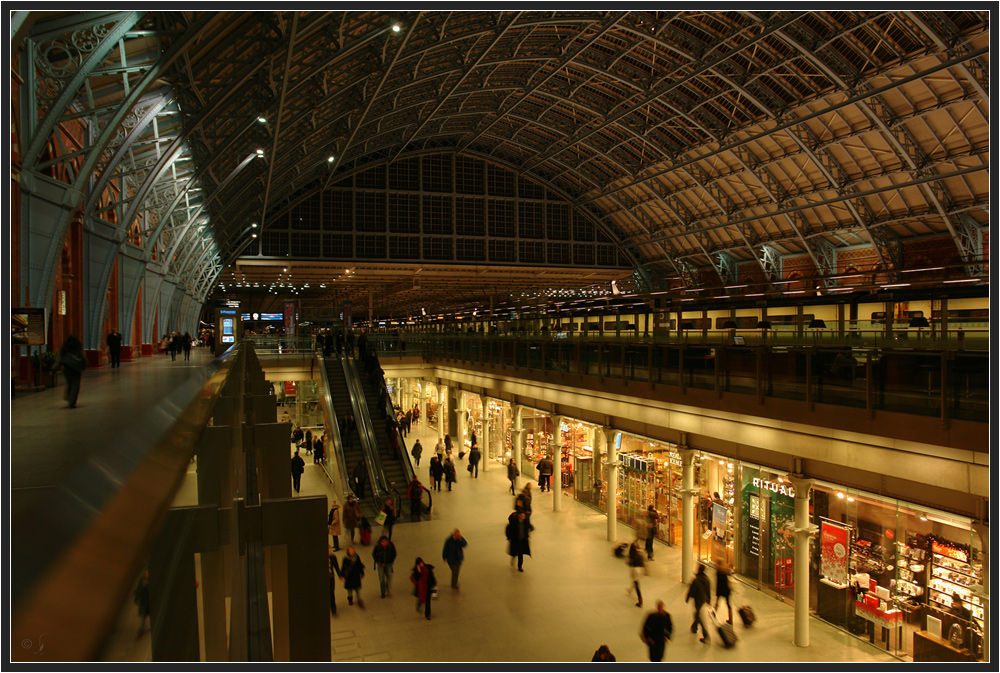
point(833, 545)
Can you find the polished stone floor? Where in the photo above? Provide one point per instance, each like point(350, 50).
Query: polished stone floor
point(571, 598)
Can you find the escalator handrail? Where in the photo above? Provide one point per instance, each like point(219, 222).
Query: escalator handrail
point(404, 456)
point(333, 430)
point(376, 476)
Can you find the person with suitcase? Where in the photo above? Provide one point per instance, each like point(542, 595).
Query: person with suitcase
point(366, 531)
point(701, 592)
point(722, 589)
point(726, 631)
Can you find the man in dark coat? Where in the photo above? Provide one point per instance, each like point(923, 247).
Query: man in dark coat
point(114, 341)
point(298, 467)
point(454, 553)
point(545, 474)
point(518, 530)
point(701, 591)
point(656, 631)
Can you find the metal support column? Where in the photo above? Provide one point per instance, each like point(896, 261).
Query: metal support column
point(803, 532)
point(611, 466)
point(485, 402)
point(555, 452)
point(688, 492)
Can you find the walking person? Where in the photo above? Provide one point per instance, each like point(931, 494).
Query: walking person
point(352, 515)
point(114, 342)
point(424, 582)
point(389, 509)
point(72, 362)
point(384, 555)
point(186, 345)
point(656, 631)
point(359, 478)
point(352, 570)
point(636, 568)
point(335, 574)
point(449, 471)
point(441, 447)
point(652, 524)
point(436, 471)
point(474, 456)
point(298, 467)
point(454, 554)
point(178, 343)
point(701, 592)
point(522, 503)
point(544, 474)
point(416, 451)
point(518, 530)
point(512, 474)
point(722, 589)
point(333, 524)
point(415, 493)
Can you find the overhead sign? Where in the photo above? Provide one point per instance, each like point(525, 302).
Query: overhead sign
point(227, 303)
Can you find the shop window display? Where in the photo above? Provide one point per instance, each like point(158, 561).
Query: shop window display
point(766, 513)
point(651, 474)
point(911, 576)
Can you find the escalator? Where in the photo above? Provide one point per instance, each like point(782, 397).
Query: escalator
point(395, 463)
point(352, 453)
point(366, 444)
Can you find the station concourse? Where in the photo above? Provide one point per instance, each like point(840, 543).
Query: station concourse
point(570, 600)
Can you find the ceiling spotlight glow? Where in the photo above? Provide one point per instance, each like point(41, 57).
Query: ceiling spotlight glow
point(396, 27)
point(330, 158)
point(262, 120)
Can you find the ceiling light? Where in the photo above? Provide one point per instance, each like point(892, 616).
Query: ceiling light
point(262, 120)
point(330, 158)
point(260, 153)
point(253, 225)
point(396, 27)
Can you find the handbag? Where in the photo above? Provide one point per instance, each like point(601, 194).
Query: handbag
point(469, 468)
point(380, 518)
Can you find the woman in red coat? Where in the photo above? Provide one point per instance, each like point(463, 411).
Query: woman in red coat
point(424, 582)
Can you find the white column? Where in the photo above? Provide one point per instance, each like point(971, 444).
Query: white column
point(423, 404)
point(517, 434)
point(460, 425)
point(611, 470)
point(483, 400)
point(555, 452)
point(441, 391)
point(688, 492)
point(803, 532)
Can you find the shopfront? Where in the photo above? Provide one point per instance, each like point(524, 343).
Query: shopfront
point(537, 430)
point(903, 577)
point(650, 474)
point(500, 420)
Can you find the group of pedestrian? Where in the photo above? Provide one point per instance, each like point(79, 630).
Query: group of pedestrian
point(175, 344)
point(351, 569)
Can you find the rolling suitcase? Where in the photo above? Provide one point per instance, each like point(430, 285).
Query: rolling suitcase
point(726, 632)
point(747, 615)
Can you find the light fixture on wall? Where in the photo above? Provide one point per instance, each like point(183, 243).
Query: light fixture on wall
point(614, 288)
